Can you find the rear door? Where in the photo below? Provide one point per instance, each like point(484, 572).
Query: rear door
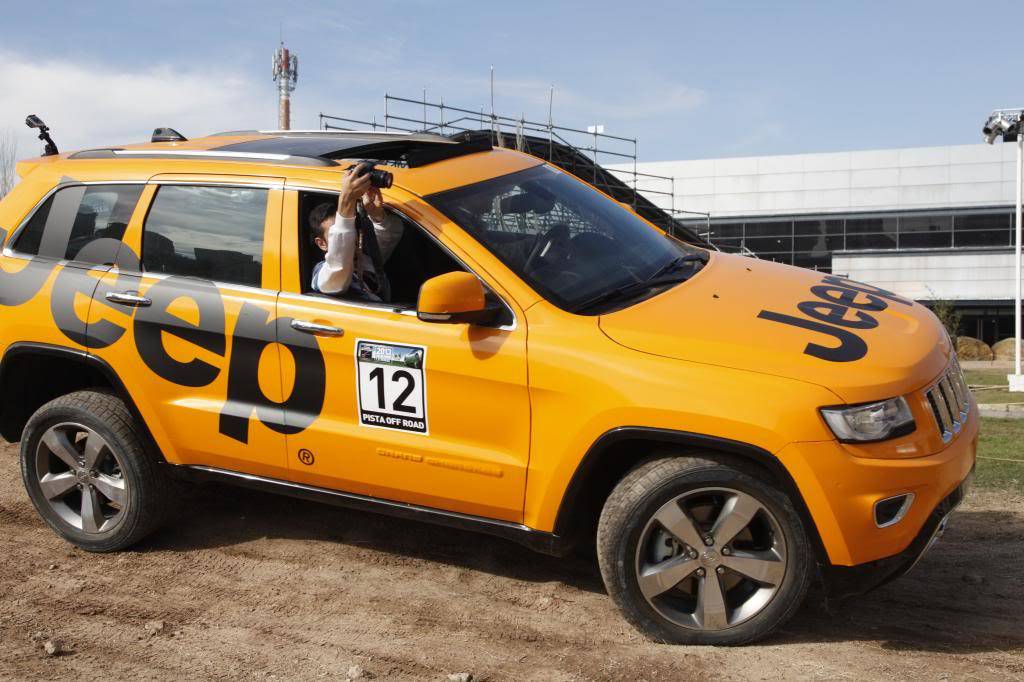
point(187, 321)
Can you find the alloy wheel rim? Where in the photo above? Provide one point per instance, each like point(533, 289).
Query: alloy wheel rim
point(81, 478)
point(711, 558)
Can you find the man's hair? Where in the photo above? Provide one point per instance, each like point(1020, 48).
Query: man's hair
point(317, 216)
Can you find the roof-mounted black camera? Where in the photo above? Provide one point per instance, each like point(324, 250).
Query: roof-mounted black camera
point(33, 121)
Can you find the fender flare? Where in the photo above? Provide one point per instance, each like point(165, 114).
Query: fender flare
point(94, 363)
point(602, 451)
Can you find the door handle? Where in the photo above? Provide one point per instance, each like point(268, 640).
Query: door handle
point(129, 298)
point(316, 329)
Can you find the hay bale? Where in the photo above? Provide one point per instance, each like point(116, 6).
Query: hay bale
point(1004, 349)
point(968, 348)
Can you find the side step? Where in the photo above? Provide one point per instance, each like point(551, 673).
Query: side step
point(538, 541)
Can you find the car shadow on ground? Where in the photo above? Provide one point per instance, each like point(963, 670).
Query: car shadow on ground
point(216, 515)
point(951, 603)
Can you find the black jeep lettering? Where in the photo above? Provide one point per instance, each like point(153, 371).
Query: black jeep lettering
point(851, 347)
point(208, 333)
point(835, 312)
point(253, 333)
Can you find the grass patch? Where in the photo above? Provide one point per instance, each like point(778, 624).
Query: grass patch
point(991, 377)
point(1002, 439)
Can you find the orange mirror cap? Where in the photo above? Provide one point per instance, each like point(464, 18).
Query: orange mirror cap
point(445, 297)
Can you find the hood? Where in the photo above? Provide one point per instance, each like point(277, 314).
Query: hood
point(861, 342)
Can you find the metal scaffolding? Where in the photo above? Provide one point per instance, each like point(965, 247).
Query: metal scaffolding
point(579, 151)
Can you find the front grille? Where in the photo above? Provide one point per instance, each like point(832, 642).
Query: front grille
point(950, 401)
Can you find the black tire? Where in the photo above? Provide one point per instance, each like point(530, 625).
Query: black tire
point(147, 490)
point(627, 520)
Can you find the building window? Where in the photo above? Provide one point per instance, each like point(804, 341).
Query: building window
point(926, 232)
point(986, 229)
point(726, 231)
point(871, 233)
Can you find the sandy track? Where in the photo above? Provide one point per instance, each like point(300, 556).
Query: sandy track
point(249, 585)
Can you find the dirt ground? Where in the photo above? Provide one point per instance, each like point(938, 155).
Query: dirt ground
point(249, 585)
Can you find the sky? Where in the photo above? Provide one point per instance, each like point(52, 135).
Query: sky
point(688, 80)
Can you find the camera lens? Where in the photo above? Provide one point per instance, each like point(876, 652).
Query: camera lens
point(381, 179)
point(378, 178)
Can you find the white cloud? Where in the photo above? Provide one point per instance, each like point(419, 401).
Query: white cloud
point(92, 104)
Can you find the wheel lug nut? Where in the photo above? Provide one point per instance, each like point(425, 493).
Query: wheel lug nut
point(720, 570)
point(709, 541)
point(693, 554)
point(726, 551)
point(700, 572)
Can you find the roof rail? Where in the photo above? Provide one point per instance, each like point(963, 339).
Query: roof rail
point(391, 134)
point(212, 155)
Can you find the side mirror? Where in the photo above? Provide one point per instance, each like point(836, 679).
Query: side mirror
point(455, 298)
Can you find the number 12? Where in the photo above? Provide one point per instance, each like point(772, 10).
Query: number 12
point(399, 405)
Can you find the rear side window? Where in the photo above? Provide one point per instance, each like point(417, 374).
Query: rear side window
point(213, 233)
point(75, 217)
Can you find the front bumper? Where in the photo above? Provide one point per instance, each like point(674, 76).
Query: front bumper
point(840, 491)
point(848, 581)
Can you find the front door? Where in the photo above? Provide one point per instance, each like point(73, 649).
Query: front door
point(436, 415)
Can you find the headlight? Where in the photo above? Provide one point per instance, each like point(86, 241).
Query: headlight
point(874, 421)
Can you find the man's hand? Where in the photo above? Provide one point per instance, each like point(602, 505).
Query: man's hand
point(352, 188)
point(373, 202)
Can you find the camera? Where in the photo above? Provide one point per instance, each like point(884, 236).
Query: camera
point(380, 179)
point(33, 121)
point(36, 123)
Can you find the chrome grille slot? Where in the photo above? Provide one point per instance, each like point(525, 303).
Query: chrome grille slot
point(941, 415)
point(946, 386)
point(950, 400)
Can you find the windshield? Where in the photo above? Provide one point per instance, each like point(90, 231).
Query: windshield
point(579, 249)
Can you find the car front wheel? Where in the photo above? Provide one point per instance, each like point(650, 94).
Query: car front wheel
point(701, 550)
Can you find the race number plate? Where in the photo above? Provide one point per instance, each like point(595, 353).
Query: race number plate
point(392, 386)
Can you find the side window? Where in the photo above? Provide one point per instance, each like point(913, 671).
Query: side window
point(213, 233)
point(74, 217)
point(415, 259)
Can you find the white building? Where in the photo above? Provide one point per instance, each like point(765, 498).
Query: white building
point(931, 223)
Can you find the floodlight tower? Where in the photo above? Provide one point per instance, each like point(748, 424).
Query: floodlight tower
point(286, 75)
point(1009, 125)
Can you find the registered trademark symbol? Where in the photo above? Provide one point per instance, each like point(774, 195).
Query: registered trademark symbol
point(306, 457)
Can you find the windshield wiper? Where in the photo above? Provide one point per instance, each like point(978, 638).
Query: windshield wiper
point(661, 277)
point(677, 264)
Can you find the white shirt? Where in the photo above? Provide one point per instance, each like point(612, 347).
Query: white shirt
point(344, 265)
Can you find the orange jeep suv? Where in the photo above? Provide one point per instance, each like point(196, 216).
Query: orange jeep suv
point(549, 367)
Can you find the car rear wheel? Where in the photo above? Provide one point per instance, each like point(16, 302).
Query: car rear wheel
point(88, 474)
point(699, 550)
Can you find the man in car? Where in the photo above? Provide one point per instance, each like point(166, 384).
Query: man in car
point(353, 260)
